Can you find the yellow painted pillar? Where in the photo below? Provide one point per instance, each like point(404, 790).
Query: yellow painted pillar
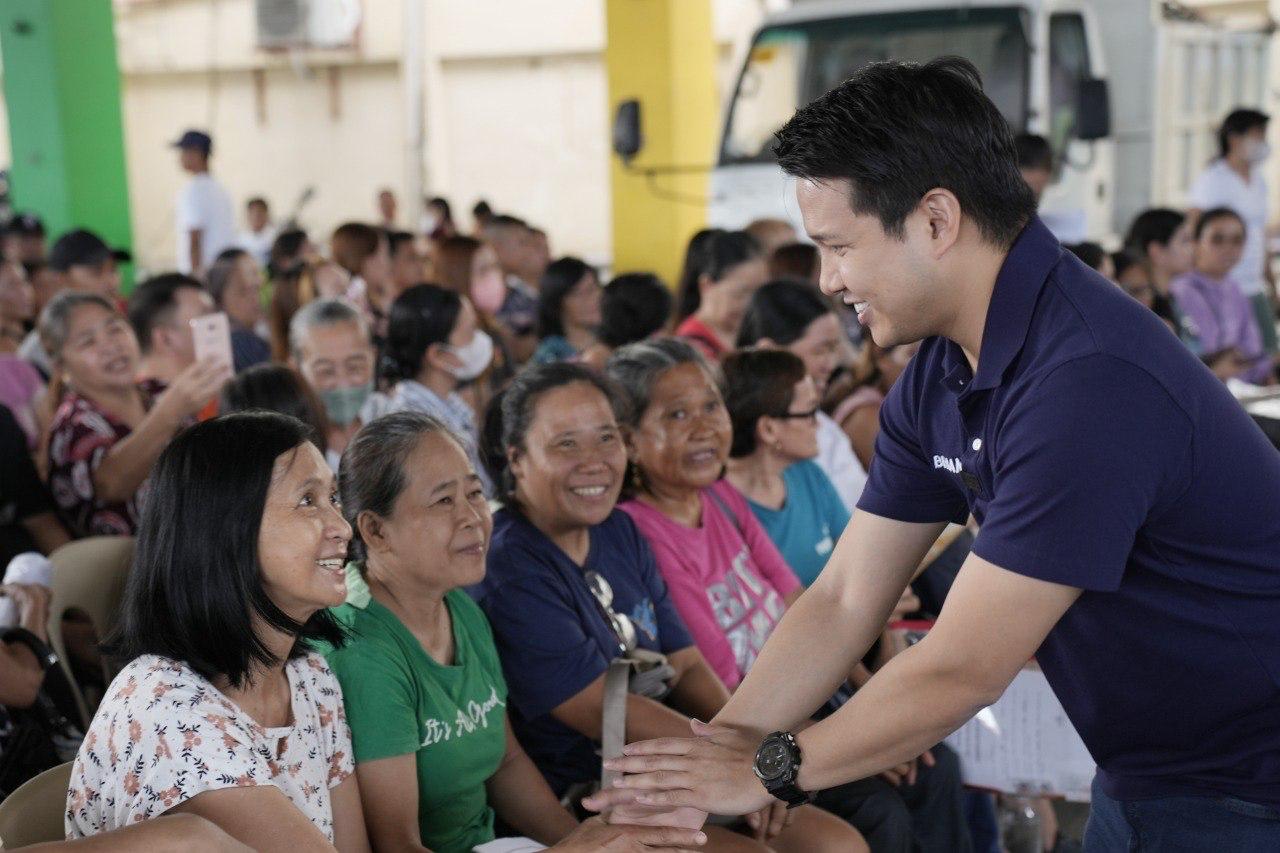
point(662, 53)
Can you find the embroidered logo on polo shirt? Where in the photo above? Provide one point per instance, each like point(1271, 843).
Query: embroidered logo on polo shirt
point(952, 465)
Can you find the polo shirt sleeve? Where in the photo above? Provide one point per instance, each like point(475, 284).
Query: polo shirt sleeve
point(903, 484)
point(1080, 463)
point(547, 654)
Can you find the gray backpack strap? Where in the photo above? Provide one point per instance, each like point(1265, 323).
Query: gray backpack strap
point(613, 732)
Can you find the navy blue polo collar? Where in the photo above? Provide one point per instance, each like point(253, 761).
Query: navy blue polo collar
point(1013, 301)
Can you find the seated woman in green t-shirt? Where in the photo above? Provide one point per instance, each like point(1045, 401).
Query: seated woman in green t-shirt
point(421, 681)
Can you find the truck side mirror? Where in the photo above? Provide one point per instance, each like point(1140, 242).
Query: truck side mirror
point(628, 136)
point(1093, 111)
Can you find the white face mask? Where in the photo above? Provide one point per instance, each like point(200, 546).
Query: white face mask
point(1257, 152)
point(475, 357)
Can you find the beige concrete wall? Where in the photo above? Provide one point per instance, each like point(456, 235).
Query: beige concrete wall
point(515, 111)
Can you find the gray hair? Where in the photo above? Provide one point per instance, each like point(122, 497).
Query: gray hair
point(319, 313)
point(637, 367)
point(55, 319)
point(371, 476)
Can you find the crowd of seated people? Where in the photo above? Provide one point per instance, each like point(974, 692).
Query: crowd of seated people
point(385, 557)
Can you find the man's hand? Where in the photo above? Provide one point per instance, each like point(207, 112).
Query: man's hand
point(711, 773)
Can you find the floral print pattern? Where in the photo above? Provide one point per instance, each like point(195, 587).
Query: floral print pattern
point(80, 436)
point(164, 734)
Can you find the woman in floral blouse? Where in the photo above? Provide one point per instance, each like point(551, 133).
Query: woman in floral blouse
point(108, 429)
point(223, 710)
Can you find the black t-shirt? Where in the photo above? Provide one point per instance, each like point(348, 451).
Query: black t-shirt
point(22, 495)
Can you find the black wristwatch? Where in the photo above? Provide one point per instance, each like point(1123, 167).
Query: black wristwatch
point(47, 657)
point(777, 764)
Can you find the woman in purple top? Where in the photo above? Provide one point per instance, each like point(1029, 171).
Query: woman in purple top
point(1212, 302)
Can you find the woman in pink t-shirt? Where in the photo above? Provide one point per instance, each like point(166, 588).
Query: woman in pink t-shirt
point(728, 581)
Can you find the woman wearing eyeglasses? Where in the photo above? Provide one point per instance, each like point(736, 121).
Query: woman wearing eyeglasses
point(571, 585)
point(773, 407)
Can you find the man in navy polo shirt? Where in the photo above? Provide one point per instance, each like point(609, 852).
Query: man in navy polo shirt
point(1129, 509)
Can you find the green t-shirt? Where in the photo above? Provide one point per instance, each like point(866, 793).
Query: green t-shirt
point(399, 700)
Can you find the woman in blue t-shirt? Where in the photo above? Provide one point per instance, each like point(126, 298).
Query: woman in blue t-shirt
point(773, 405)
point(571, 585)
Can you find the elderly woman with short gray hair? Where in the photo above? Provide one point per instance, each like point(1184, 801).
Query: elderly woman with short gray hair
point(108, 430)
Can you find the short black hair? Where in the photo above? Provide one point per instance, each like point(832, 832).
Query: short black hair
point(633, 306)
point(443, 204)
point(481, 210)
point(561, 276)
point(716, 253)
point(396, 239)
point(285, 250)
point(153, 302)
point(781, 311)
point(421, 316)
point(1033, 151)
point(196, 587)
point(1154, 225)
point(1237, 122)
point(897, 130)
point(795, 260)
point(257, 201)
point(757, 384)
point(1089, 252)
point(277, 388)
point(516, 406)
point(1213, 215)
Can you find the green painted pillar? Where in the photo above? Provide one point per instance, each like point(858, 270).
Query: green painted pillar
point(62, 92)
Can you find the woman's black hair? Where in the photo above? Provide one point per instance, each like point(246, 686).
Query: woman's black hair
point(518, 404)
point(277, 388)
point(1089, 252)
point(1123, 259)
point(795, 260)
point(284, 251)
point(421, 316)
point(781, 311)
point(1155, 225)
point(1213, 215)
point(372, 474)
point(1236, 123)
point(633, 307)
point(195, 588)
point(560, 277)
point(757, 384)
point(445, 208)
point(712, 252)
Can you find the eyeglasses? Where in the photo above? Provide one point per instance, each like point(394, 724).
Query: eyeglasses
point(810, 415)
point(623, 628)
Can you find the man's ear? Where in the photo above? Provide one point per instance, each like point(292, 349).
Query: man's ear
point(942, 215)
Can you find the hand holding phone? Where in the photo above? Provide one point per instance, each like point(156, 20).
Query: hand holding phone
point(211, 335)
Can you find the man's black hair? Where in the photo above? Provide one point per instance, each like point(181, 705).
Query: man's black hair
point(195, 588)
point(153, 302)
point(1238, 122)
point(634, 306)
point(1034, 152)
point(897, 130)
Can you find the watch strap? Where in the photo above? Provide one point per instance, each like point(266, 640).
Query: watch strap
point(45, 655)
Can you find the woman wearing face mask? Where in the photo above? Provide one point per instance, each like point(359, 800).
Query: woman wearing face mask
point(723, 270)
point(1237, 180)
point(222, 709)
point(795, 316)
point(108, 429)
point(434, 344)
point(470, 268)
point(1213, 304)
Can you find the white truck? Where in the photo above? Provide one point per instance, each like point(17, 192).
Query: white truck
point(1128, 92)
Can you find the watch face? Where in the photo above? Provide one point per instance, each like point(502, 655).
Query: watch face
point(773, 760)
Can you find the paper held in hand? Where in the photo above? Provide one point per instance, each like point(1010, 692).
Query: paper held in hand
point(1024, 742)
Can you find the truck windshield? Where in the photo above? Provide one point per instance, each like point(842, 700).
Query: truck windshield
point(790, 65)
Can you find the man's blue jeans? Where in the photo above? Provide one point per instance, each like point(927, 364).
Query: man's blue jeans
point(1180, 825)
